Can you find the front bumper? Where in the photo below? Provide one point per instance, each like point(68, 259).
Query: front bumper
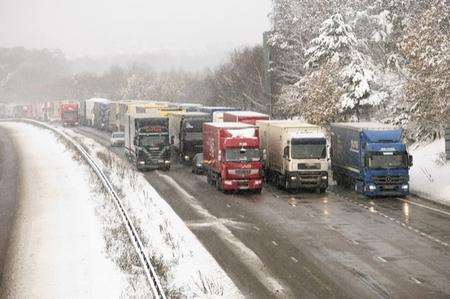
point(297, 180)
point(385, 190)
point(252, 184)
point(150, 164)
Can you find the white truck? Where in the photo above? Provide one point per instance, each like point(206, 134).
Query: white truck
point(294, 154)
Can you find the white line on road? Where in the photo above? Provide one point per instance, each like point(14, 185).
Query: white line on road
point(415, 280)
point(247, 256)
point(274, 243)
point(424, 206)
point(294, 259)
point(381, 259)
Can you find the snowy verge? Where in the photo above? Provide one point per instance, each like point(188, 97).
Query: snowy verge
point(430, 174)
point(185, 267)
point(57, 249)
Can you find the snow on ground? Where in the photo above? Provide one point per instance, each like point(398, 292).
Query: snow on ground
point(186, 267)
point(430, 174)
point(57, 248)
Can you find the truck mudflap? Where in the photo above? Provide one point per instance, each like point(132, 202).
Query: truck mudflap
point(253, 184)
point(316, 179)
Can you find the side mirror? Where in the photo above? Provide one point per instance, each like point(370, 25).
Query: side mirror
point(264, 155)
point(172, 140)
point(410, 160)
point(135, 141)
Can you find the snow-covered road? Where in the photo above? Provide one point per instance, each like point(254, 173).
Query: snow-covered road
point(57, 247)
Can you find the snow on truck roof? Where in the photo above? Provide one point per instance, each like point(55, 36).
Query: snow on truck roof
point(99, 100)
point(229, 125)
point(364, 126)
point(183, 113)
point(286, 123)
point(246, 113)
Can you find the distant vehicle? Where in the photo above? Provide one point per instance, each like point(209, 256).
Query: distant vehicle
point(69, 114)
point(197, 164)
point(232, 157)
point(247, 117)
point(147, 141)
point(186, 132)
point(371, 158)
point(295, 154)
point(118, 139)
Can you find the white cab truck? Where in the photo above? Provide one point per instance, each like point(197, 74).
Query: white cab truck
point(295, 154)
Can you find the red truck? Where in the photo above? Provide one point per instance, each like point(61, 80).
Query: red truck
point(247, 117)
point(231, 156)
point(69, 114)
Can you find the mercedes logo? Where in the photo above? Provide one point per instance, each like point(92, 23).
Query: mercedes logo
point(388, 179)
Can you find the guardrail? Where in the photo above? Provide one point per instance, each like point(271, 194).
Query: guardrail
point(447, 141)
point(149, 270)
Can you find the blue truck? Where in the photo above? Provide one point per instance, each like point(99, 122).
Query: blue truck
point(371, 158)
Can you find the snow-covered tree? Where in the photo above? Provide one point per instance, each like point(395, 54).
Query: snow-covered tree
point(336, 43)
point(427, 48)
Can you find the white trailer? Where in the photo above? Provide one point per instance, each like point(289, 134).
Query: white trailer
point(294, 154)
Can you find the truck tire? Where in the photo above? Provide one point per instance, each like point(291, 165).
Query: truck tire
point(257, 191)
point(218, 186)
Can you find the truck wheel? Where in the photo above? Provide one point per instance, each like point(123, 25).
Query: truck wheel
point(218, 186)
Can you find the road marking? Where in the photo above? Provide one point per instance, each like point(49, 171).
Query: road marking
point(228, 205)
point(419, 232)
point(381, 259)
point(415, 280)
point(424, 206)
point(274, 243)
point(246, 255)
point(294, 259)
point(257, 228)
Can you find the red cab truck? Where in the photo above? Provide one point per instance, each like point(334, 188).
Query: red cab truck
point(232, 157)
point(247, 117)
point(69, 114)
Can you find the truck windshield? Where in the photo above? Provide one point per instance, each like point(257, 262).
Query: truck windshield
point(242, 155)
point(387, 161)
point(70, 114)
point(309, 148)
point(154, 140)
point(194, 125)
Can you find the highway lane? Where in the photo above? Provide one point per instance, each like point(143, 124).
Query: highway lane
point(338, 244)
point(9, 182)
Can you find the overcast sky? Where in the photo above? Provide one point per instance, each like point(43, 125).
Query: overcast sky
point(97, 27)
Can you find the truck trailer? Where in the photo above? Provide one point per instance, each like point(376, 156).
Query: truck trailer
point(69, 114)
point(147, 141)
point(186, 132)
point(371, 158)
point(295, 154)
point(232, 157)
point(247, 117)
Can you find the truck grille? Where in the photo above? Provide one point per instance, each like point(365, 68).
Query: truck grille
point(243, 172)
point(308, 165)
point(312, 175)
point(389, 180)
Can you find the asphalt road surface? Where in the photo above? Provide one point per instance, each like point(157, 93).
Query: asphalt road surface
point(9, 182)
point(307, 245)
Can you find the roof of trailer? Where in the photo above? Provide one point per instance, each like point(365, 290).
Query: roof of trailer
point(364, 126)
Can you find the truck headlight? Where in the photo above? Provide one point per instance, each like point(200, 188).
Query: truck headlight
point(142, 162)
point(324, 177)
point(167, 162)
point(186, 158)
point(293, 178)
point(372, 187)
point(405, 187)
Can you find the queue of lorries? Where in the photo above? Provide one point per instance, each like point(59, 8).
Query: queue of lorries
point(242, 150)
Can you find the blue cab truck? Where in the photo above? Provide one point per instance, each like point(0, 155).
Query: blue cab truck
point(371, 158)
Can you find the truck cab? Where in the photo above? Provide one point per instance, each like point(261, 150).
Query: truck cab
point(386, 164)
point(305, 162)
point(232, 156)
